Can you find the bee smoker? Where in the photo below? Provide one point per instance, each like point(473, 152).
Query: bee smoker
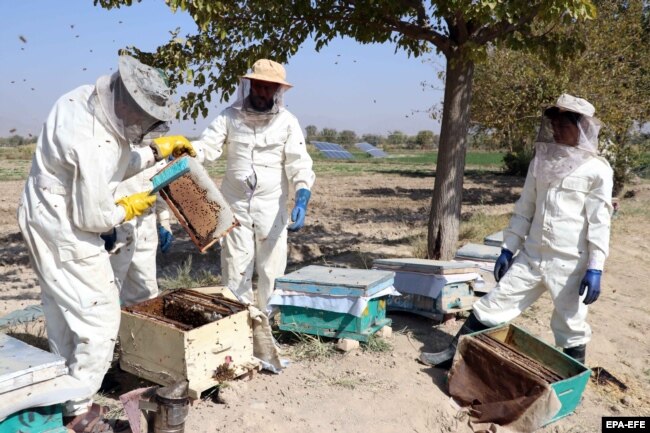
point(170, 406)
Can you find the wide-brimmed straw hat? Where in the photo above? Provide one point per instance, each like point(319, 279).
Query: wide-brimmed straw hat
point(148, 87)
point(268, 70)
point(568, 102)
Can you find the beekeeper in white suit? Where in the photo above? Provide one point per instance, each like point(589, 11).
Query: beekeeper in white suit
point(266, 155)
point(82, 153)
point(560, 226)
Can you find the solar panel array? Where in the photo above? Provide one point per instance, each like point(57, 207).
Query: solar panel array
point(332, 151)
point(371, 150)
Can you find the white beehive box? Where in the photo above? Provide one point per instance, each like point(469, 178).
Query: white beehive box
point(162, 352)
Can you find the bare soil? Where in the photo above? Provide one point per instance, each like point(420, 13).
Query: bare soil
point(351, 221)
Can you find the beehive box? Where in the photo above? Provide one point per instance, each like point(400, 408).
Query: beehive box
point(333, 282)
point(207, 339)
point(47, 419)
point(199, 206)
point(430, 287)
point(571, 376)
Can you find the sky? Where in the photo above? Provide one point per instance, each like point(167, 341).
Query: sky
point(51, 47)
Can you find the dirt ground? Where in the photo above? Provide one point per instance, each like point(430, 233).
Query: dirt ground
point(352, 220)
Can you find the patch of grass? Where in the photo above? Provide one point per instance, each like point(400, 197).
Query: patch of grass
point(345, 382)
point(14, 169)
point(186, 279)
point(480, 225)
point(421, 163)
point(32, 333)
point(419, 246)
point(311, 348)
point(24, 152)
point(377, 344)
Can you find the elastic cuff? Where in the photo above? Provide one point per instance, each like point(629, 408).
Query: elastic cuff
point(596, 260)
point(156, 152)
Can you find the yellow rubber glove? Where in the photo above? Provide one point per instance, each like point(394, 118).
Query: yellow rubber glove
point(174, 145)
point(136, 204)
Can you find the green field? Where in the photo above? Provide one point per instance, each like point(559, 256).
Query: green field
point(15, 163)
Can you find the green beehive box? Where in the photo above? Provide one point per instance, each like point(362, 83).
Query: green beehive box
point(47, 419)
point(335, 325)
point(576, 375)
point(333, 282)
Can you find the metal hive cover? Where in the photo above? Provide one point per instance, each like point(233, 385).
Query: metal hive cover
point(336, 281)
point(424, 265)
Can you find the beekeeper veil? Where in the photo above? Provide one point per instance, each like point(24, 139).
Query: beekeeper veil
point(135, 100)
point(260, 95)
point(567, 138)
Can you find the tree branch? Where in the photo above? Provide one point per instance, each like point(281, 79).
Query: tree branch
point(489, 33)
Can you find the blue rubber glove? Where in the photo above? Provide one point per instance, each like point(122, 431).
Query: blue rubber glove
point(591, 282)
point(109, 239)
point(503, 264)
point(299, 210)
point(165, 239)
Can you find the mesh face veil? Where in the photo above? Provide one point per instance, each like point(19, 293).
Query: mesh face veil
point(259, 108)
point(123, 115)
point(565, 141)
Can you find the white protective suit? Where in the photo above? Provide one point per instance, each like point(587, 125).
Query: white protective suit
point(262, 161)
point(134, 257)
point(68, 201)
point(561, 228)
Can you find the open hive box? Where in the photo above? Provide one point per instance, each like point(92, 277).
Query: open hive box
point(508, 362)
point(202, 335)
point(199, 206)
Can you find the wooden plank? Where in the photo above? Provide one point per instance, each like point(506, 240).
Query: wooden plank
point(438, 267)
point(336, 281)
point(22, 364)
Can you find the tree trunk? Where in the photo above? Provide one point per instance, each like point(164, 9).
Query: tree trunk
point(444, 219)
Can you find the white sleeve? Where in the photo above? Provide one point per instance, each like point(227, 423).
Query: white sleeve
point(522, 217)
point(298, 164)
point(209, 146)
point(140, 158)
point(93, 206)
point(598, 208)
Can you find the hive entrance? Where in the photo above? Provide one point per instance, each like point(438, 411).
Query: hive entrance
point(187, 309)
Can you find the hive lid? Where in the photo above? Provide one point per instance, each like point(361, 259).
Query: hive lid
point(22, 364)
point(336, 281)
point(478, 252)
point(425, 266)
point(495, 239)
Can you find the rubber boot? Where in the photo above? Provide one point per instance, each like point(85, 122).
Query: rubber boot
point(578, 353)
point(444, 358)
